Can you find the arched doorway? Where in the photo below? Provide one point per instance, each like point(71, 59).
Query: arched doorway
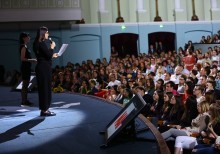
point(166, 38)
point(125, 44)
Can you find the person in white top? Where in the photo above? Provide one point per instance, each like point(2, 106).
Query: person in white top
point(148, 69)
point(113, 81)
point(214, 56)
point(200, 59)
point(198, 92)
point(183, 137)
point(177, 73)
point(159, 72)
point(153, 64)
point(181, 85)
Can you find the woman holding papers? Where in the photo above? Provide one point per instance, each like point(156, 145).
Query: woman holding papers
point(26, 61)
point(44, 54)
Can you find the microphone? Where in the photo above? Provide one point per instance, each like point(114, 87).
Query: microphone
point(52, 42)
point(50, 39)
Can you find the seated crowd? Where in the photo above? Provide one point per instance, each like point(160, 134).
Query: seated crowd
point(182, 91)
point(210, 39)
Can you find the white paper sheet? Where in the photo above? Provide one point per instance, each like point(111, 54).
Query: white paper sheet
point(62, 49)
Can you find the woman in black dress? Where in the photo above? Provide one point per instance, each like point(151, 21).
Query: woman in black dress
point(43, 49)
point(26, 61)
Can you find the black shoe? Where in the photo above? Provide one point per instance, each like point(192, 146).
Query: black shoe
point(27, 103)
point(47, 113)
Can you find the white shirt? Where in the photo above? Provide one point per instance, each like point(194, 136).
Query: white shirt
point(157, 77)
point(175, 78)
point(215, 58)
point(112, 83)
point(200, 99)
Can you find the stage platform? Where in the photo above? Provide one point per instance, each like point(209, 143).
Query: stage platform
point(74, 130)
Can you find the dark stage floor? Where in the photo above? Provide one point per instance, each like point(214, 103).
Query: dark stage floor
point(75, 128)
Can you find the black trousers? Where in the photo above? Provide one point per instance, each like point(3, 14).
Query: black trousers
point(44, 81)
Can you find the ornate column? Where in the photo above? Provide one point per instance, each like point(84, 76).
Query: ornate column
point(102, 6)
point(214, 5)
point(194, 17)
point(104, 16)
point(214, 10)
point(140, 5)
point(177, 5)
point(141, 12)
point(157, 18)
point(178, 12)
point(119, 19)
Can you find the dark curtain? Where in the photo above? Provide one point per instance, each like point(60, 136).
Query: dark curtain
point(125, 43)
point(167, 39)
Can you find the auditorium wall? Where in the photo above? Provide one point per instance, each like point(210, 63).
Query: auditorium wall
point(92, 41)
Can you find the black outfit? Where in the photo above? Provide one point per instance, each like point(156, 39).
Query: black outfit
point(174, 118)
point(43, 73)
point(157, 105)
point(104, 81)
point(25, 65)
point(160, 49)
point(67, 85)
point(152, 51)
point(119, 98)
point(165, 112)
point(217, 94)
point(191, 112)
point(216, 129)
point(93, 91)
point(25, 74)
point(149, 100)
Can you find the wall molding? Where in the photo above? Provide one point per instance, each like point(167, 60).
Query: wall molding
point(23, 4)
point(21, 15)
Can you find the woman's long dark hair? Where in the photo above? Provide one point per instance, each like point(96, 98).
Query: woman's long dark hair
point(40, 32)
point(191, 86)
point(190, 109)
point(214, 111)
point(160, 93)
point(178, 104)
point(22, 35)
point(167, 103)
point(21, 39)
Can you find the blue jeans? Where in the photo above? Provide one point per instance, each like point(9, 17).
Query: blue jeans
point(172, 133)
point(205, 149)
